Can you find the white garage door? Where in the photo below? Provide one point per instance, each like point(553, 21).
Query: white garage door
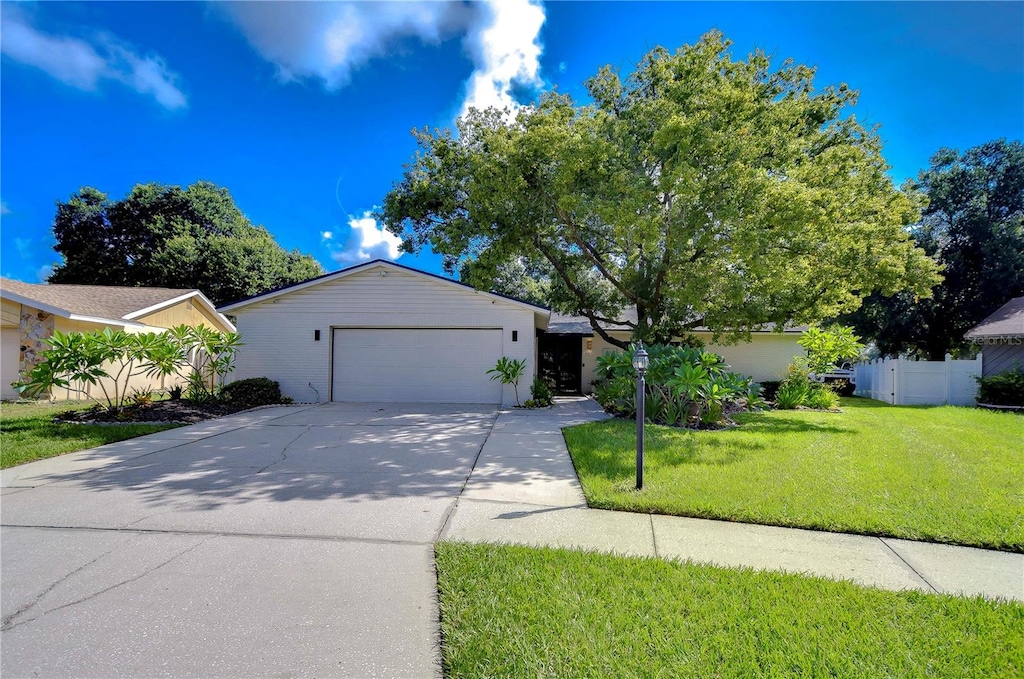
point(429, 365)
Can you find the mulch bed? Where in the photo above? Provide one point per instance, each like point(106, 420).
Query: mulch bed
point(158, 411)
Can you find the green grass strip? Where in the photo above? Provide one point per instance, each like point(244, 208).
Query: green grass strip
point(943, 474)
point(28, 433)
point(511, 611)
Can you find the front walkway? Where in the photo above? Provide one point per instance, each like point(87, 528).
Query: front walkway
point(524, 490)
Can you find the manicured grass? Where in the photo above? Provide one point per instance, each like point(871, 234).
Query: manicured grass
point(520, 612)
point(27, 432)
point(941, 474)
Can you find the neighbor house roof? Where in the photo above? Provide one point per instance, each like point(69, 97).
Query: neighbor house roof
point(342, 273)
point(1007, 322)
point(109, 304)
point(561, 324)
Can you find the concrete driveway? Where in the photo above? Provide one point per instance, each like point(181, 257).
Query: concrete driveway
point(292, 541)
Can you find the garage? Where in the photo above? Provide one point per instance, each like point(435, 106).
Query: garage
point(443, 365)
point(383, 332)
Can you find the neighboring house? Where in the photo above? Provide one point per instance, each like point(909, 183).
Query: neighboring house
point(32, 312)
point(569, 349)
point(381, 331)
point(1002, 338)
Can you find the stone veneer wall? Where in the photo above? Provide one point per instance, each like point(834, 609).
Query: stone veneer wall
point(36, 326)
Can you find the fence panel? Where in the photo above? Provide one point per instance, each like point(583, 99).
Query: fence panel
point(904, 382)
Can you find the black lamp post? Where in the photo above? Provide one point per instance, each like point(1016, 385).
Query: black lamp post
point(640, 362)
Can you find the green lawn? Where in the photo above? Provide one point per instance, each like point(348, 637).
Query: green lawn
point(942, 474)
point(27, 432)
point(520, 612)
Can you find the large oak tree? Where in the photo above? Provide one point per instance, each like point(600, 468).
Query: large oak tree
point(974, 227)
point(701, 190)
point(168, 236)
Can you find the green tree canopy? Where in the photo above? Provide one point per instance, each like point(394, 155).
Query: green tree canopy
point(168, 236)
point(701, 190)
point(974, 227)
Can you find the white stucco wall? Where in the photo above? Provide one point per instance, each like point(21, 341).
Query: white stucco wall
point(765, 357)
point(279, 339)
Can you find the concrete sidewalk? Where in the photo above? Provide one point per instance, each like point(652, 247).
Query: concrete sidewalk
point(524, 490)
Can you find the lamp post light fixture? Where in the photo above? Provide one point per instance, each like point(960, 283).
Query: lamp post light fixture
point(640, 362)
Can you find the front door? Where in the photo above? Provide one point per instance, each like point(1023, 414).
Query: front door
point(561, 361)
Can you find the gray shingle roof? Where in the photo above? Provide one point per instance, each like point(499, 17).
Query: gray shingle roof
point(100, 301)
point(1006, 321)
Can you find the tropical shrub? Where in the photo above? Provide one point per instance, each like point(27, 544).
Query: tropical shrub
point(509, 370)
point(1004, 389)
point(827, 347)
point(799, 389)
point(252, 392)
point(822, 397)
point(685, 386)
point(541, 395)
point(109, 359)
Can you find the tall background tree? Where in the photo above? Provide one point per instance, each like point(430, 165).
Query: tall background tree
point(168, 236)
point(974, 227)
point(701, 190)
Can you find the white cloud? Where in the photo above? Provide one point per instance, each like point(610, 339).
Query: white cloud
point(506, 52)
point(328, 40)
point(83, 64)
point(367, 240)
point(4, 210)
point(326, 235)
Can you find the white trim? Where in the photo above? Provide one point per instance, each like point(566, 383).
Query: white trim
point(181, 298)
point(106, 321)
point(126, 321)
point(368, 266)
point(35, 304)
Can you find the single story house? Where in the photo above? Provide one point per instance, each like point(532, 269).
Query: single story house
point(1001, 335)
point(30, 313)
point(381, 331)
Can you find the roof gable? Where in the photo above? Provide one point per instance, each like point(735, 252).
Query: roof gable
point(112, 304)
point(1007, 321)
point(384, 266)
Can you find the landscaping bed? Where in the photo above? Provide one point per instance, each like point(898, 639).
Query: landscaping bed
point(178, 412)
point(941, 474)
point(510, 611)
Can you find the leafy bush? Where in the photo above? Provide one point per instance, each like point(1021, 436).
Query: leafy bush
point(685, 385)
point(541, 395)
point(822, 397)
point(252, 392)
point(798, 389)
point(509, 370)
point(109, 360)
point(1004, 389)
point(792, 393)
point(826, 347)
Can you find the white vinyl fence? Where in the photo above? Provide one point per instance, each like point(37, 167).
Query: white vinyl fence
point(901, 381)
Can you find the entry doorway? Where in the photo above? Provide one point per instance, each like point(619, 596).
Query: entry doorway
point(561, 361)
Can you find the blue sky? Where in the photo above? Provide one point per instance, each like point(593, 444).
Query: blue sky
point(303, 110)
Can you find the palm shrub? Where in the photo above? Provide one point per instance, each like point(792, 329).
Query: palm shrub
point(106, 361)
point(509, 370)
point(686, 386)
